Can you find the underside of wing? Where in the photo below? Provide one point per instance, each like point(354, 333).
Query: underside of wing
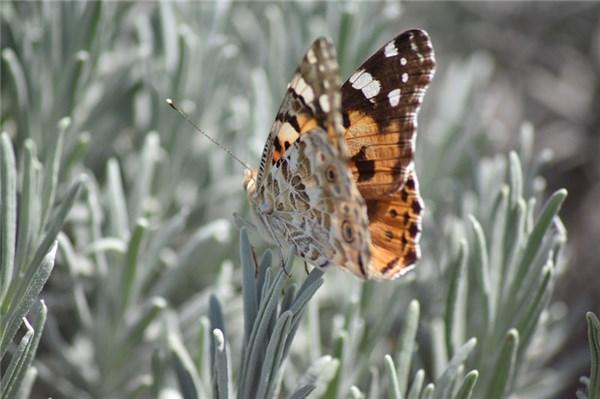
point(317, 207)
point(380, 103)
point(395, 227)
point(312, 100)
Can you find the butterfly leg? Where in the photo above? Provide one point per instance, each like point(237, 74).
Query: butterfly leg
point(283, 260)
point(280, 247)
point(306, 268)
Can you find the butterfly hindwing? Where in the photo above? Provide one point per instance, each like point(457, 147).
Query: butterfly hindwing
point(380, 103)
point(317, 207)
point(395, 229)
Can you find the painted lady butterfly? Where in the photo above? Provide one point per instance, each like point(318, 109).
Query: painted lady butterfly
point(336, 179)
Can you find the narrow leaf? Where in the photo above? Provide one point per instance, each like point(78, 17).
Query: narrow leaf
point(394, 384)
point(25, 358)
point(302, 392)
point(249, 270)
point(273, 356)
point(52, 169)
point(515, 178)
point(29, 297)
point(505, 366)
point(456, 277)
point(29, 218)
point(481, 265)
point(220, 367)
point(8, 215)
point(117, 207)
point(19, 80)
point(417, 385)
point(129, 272)
point(89, 23)
point(26, 384)
point(203, 355)
point(594, 341)
point(10, 379)
point(534, 241)
point(428, 392)
point(54, 225)
point(77, 152)
point(255, 348)
point(407, 345)
point(531, 314)
point(143, 182)
point(186, 373)
point(466, 389)
point(446, 380)
point(319, 374)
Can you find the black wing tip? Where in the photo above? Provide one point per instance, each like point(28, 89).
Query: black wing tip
point(416, 33)
point(322, 48)
point(418, 36)
point(421, 39)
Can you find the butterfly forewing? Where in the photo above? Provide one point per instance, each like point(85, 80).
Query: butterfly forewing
point(312, 100)
point(380, 102)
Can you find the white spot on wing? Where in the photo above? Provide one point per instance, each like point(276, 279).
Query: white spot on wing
point(404, 77)
point(390, 50)
point(301, 88)
point(308, 94)
point(355, 75)
point(287, 133)
point(367, 84)
point(403, 61)
point(394, 97)
point(413, 45)
point(324, 103)
point(294, 81)
point(362, 80)
point(310, 56)
point(372, 89)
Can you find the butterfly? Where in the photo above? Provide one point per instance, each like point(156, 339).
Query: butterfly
point(336, 179)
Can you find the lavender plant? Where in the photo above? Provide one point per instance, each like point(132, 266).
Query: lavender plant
point(151, 291)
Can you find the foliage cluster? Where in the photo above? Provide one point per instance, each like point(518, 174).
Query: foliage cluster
point(134, 209)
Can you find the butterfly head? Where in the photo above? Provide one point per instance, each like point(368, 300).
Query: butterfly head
point(261, 206)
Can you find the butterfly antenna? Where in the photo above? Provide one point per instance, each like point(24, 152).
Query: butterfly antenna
point(221, 146)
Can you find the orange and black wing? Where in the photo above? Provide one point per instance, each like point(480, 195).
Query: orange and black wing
point(395, 227)
point(380, 102)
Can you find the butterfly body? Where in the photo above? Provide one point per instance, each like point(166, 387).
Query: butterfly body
point(336, 179)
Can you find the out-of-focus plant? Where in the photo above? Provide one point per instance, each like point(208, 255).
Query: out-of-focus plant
point(147, 299)
point(591, 384)
point(31, 216)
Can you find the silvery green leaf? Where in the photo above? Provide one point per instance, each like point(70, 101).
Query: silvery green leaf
point(593, 383)
point(185, 371)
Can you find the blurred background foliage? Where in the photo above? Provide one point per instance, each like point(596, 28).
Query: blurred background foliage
point(145, 296)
